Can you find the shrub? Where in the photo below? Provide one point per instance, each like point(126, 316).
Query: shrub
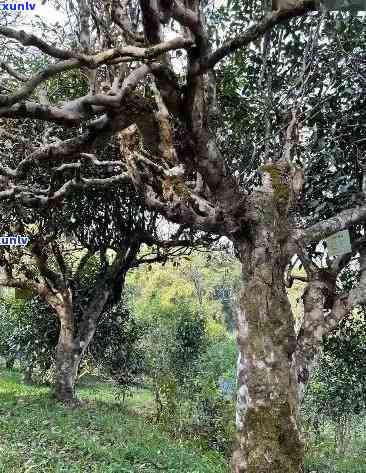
point(116, 350)
point(337, 391)
point(31, 337)
point(193, 379)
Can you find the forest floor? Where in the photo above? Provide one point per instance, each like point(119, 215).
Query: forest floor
point(324, 456)
point(104, 436)
point(39, 436)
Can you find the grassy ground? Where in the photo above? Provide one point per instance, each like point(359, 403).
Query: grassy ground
point(36, 435)
point(39, 436)
point(322, 455)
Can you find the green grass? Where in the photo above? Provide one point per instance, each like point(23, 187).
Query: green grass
point(322, 455)
point(37, 435)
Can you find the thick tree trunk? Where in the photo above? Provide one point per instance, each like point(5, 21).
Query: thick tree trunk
point(71, 345)
point(67, 358)
point(269, 439)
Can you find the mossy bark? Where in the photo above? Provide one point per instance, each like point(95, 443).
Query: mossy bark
point(269, 438)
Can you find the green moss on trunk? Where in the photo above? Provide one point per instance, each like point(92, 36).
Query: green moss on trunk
point(280, 184)
point(274, 440)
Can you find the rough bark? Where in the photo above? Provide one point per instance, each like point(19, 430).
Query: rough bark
point(67, 359)
point(310, 337)
point(269, 438)
point(89, 321)
point(73, 344)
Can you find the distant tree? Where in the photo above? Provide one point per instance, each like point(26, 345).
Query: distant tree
point(92, 233)
point(29, 334)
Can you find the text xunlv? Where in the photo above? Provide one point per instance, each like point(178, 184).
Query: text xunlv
point(17, 6)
